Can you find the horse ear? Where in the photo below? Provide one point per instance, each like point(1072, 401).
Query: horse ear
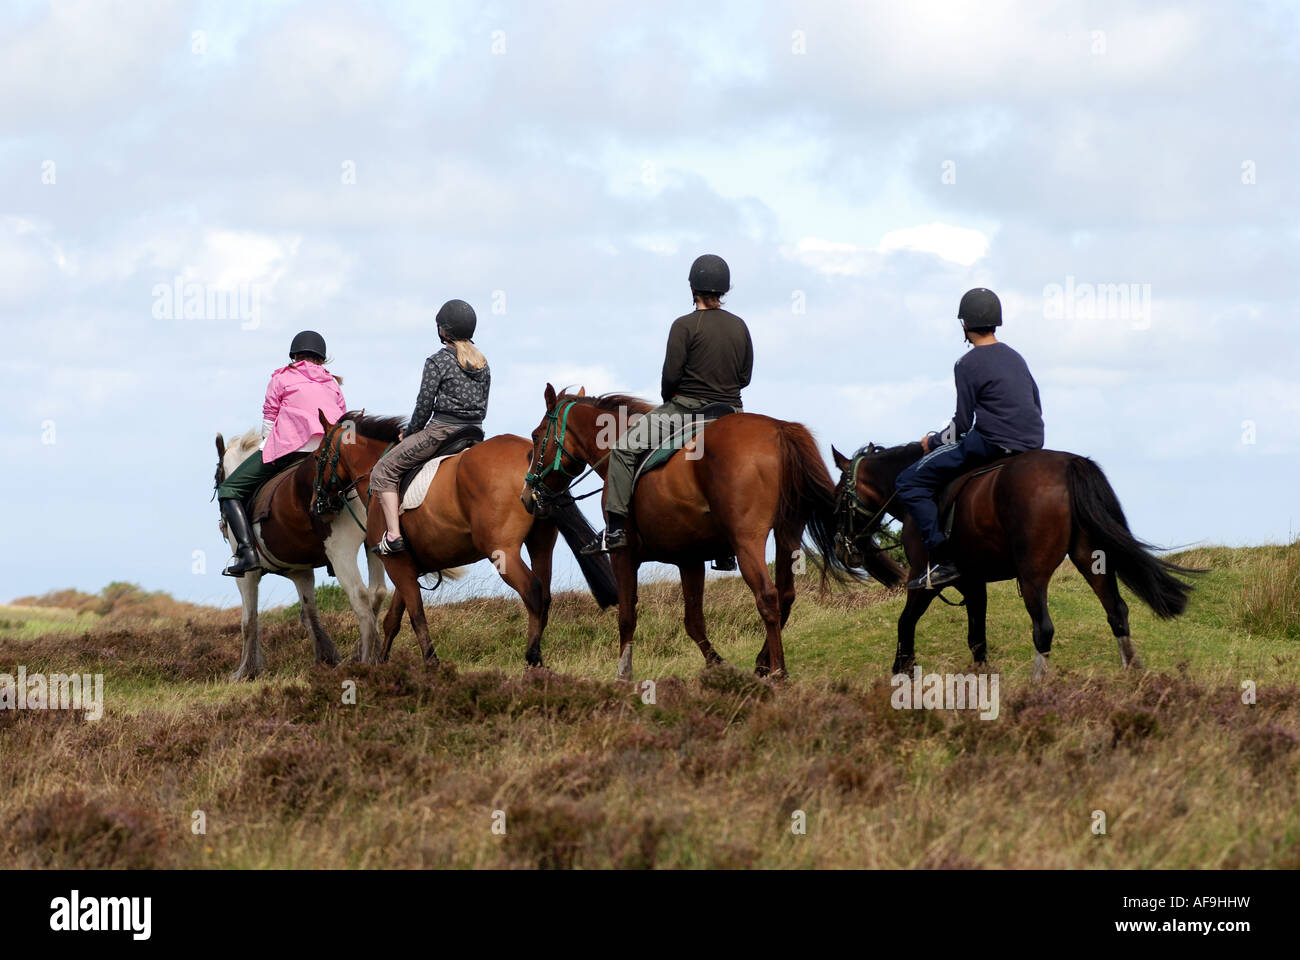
point(582, 391)
point(841, 461)
point(872, 448)
point(549, 395)
point(324, 422)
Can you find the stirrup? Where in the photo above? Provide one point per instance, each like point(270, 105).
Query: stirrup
point(724, 563)
point(948, 574)
point(386, 547)
point(238, 565)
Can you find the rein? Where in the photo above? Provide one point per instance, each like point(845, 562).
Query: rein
point(851, 507)
point(557, 425)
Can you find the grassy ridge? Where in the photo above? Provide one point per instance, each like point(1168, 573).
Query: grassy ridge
point(587, 774)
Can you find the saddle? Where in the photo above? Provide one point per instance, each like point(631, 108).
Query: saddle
point(458, 442)
point(656, 457)
point(947, 499)
point(258, 505)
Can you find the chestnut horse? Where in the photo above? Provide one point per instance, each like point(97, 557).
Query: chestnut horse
point(1016, 520)
point(471, 512)
point(748, 476)
point(293, 543)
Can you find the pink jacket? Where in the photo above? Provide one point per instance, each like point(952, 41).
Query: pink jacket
point(293, 397)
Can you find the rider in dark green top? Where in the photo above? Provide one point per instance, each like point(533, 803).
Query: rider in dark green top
point(709, 360)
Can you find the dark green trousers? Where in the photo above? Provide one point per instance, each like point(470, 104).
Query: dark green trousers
point(657, 425)
point(249, 475)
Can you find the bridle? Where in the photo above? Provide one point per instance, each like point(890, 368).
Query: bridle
point(329, 493)
point(557, 427)
point(850, 511)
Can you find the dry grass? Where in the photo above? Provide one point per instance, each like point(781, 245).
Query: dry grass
point(710, 775)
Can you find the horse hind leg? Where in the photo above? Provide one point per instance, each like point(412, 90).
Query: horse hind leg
point(251, 661)
point(322, 644)
point(693, 604)
point(1092, 565)
point(753, 567)
point(1035, 595)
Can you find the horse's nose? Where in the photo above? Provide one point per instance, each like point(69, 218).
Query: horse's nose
point(526, 498)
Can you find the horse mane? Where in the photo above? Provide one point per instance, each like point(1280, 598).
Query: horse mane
point(372, 427)
point(903, 453)
point(610, 402)
point(248, 441)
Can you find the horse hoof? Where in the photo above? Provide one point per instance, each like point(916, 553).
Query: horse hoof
point(904, 665)
point(1040, 667)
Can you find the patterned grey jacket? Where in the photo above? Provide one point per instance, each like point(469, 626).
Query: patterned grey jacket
point(450, 393)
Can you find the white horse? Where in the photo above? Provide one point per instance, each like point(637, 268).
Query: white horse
point(341, 545)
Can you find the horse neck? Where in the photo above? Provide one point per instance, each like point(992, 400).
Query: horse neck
point(885, 476)
point(360, 457)
point(585, 432)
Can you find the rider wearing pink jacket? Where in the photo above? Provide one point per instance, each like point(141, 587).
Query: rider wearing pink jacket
point(295, 397)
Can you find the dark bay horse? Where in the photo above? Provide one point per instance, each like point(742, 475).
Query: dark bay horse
point(1017, 521)
point(292, 542)
point(471, 512)
point(749, 476)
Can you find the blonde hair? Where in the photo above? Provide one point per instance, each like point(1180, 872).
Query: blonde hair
point(468, 356)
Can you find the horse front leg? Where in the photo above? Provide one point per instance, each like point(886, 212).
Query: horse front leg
point(322, 644)
point(251, 662)
point(918, 601)
point(341, 548)
point(976, 594)
point(625, 568)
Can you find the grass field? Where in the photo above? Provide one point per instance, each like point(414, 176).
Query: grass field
point(583, 773)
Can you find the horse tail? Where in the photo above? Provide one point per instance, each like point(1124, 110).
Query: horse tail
point(808, 505)
point(1095, 509)
point(221, 467)
point(577, 534)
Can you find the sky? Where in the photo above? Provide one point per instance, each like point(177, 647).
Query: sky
point(1123, 176)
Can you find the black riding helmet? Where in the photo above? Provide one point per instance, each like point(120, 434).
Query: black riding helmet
point(710, 274)
point(456, 320)
point(309, 341)
point(980, 309)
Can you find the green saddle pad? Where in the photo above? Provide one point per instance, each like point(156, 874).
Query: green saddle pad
point(658, 456)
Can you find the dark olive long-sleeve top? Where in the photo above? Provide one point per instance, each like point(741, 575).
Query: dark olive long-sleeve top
point(710, 357)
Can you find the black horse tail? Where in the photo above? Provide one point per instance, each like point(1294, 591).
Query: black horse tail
point(564, 513)
point(1096, 510)
point(808, 505)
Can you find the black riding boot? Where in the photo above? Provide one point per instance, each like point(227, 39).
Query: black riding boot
point(245, 557)
point(614, 538)
point(939, 570)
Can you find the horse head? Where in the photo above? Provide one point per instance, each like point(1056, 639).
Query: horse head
point(554, 464)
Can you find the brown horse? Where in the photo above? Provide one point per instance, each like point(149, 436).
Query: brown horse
point(292, 542)
point(1016, 520)
point(748, 476)
point(471, 512)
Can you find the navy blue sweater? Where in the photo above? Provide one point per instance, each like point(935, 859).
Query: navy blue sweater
point(997, 394)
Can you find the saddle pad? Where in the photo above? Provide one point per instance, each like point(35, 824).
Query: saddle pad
point(259, 504)
point(658, 456)
point(416, 490)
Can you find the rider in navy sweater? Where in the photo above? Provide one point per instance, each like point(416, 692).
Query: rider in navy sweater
point(998, 413)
